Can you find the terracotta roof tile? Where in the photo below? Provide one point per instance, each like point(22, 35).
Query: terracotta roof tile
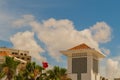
point(4, 53)
point(81, 46)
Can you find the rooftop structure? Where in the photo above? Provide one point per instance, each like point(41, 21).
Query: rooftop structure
point(83, 62)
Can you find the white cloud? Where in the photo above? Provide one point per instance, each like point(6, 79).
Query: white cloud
point(101, 32)
point(109, 67)
point(60, 34)
point(26, 41)
point(112, 69)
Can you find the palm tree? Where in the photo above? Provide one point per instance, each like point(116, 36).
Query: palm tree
point(63, 74)
point(19, 77)
point(51, 75)
point(9, 68)
point(57, 73)
point(31, 72)
point(2, 74)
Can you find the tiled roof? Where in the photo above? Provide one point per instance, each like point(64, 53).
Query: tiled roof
point(81, 46)
point(4, 53)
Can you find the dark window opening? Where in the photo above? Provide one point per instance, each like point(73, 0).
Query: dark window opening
point(23, 58)
point(28, 58)
point(16, 53)
point(21, 54)
point(23, 63)
point(18, 57)
point(13, 53)
point(25, 54)
point(79, 65)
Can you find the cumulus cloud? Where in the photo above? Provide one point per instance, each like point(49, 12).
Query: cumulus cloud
point(112, 69)
point(101, 32)
point(61, 35)
point(26, 41)
point(109, 67)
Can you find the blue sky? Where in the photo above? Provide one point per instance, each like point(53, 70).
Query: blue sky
point(20, 17)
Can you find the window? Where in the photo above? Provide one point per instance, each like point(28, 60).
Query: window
point(79, 65)
point(79, 54)
point(23, 58)
point(18, 57)
point(28, 58)
point(16, 53)
point(21, 53)
point(23, 63)
point(13, 53)
point(25, 54)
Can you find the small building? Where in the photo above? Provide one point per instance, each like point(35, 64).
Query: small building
point(20, 55)
point(83, 62)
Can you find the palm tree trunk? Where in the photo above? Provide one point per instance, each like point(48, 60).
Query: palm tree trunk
point(9, 75)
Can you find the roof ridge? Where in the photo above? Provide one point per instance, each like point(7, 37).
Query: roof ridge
point(81, 46)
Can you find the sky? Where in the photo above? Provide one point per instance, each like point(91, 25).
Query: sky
point(45, 27)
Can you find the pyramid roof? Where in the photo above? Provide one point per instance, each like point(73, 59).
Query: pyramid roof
point(81, 46)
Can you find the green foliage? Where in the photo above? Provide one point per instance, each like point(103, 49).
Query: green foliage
point(32, 71)
point(9, 68)
point(57, 73)
point(2, 74)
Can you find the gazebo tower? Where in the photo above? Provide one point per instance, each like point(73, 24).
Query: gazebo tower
point(83, 62)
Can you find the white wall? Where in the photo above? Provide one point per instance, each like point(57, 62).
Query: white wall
point(84, 76)
point(69, 65)
point(73, 76)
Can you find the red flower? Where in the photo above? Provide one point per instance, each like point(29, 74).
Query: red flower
point(45, 64)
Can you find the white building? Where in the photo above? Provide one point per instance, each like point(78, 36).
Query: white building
point(83, 62)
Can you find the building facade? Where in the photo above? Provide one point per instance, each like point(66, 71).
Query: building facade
point(20, 55)
point(83, 62)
